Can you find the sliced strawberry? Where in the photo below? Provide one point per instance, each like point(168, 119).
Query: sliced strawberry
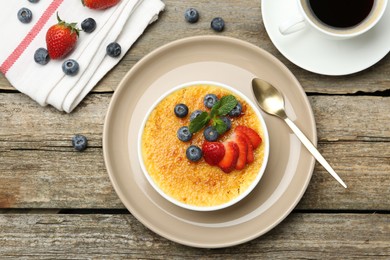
point(242, 151)
point(213, 152)
point(253, 136)
point(250, 157)
point(229, 161)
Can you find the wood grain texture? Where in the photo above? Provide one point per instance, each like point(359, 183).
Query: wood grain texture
point(40, 169)
point(327, 236)
point(243, 21)
point(338, 118)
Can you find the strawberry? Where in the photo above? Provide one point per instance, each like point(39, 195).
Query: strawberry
point(213, 152)
point(242, 151)
point(99, 4)
point(229, 161)
point(254, 137)
point(61, 38)
point(250, 157)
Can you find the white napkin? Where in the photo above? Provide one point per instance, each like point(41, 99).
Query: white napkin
point(47, 84)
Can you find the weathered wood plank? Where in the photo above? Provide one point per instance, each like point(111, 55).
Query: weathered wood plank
point(40, 169)
point(338, 118)
point(244, 21)
point(351, 118)
point(326, 236)
point(22, 119)
point(63, 178)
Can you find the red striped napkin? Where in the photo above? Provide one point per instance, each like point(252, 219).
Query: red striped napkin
point(47, 84)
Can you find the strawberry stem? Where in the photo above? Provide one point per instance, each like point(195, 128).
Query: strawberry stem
point(71, 26)
point(58, 18)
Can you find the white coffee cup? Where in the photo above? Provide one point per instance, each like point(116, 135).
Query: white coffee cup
point(309, 11)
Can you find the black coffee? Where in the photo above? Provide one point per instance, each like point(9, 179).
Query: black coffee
point(341, 13)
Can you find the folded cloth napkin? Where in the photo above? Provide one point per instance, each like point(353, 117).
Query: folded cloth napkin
point(47, 84)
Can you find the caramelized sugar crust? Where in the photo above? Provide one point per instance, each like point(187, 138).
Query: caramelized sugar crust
point(196, 184)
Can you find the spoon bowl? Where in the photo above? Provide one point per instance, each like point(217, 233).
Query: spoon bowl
point(269, 99)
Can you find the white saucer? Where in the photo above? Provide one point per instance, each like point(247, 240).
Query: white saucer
point(317, 54)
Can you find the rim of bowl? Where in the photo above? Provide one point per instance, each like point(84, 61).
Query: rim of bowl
point(236, 199)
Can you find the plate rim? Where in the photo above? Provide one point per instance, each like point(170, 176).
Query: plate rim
point(110, 112)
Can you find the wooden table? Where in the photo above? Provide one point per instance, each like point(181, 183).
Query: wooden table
point(59, 203)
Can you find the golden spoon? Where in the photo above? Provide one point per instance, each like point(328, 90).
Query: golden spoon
point(271, 101)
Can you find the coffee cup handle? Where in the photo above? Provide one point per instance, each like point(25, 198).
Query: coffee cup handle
point(292, 25)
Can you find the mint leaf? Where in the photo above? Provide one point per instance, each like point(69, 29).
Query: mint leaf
point(199, 122)
point(227, 103)
point(214, 109)
point(219, 125)
point(220, 108)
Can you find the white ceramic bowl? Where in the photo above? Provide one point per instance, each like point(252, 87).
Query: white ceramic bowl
point(236, 199)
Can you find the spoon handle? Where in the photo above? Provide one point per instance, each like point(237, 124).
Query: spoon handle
point(313, 150)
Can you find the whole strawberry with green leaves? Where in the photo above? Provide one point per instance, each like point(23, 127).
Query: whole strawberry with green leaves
point(99, 4)
point(61, 39)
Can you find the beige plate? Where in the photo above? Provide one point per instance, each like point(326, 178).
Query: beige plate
point(235, 63)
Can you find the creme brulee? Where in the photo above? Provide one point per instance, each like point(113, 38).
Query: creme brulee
point(164, 155)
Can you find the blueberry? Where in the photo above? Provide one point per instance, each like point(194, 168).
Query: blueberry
point(218, 24)
point(210, 100)
point(227, 122)
point(79, 142)
point(194, 153)
point(181, 110)
point(210, 134)
point(33, 1)
point(70, 67)
point(236, 111)
point(195, 114)
point(88, 25)
point(113, 49)
point(191, 15)
point(184, 134)
point(41, 56)
point(25, 15)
